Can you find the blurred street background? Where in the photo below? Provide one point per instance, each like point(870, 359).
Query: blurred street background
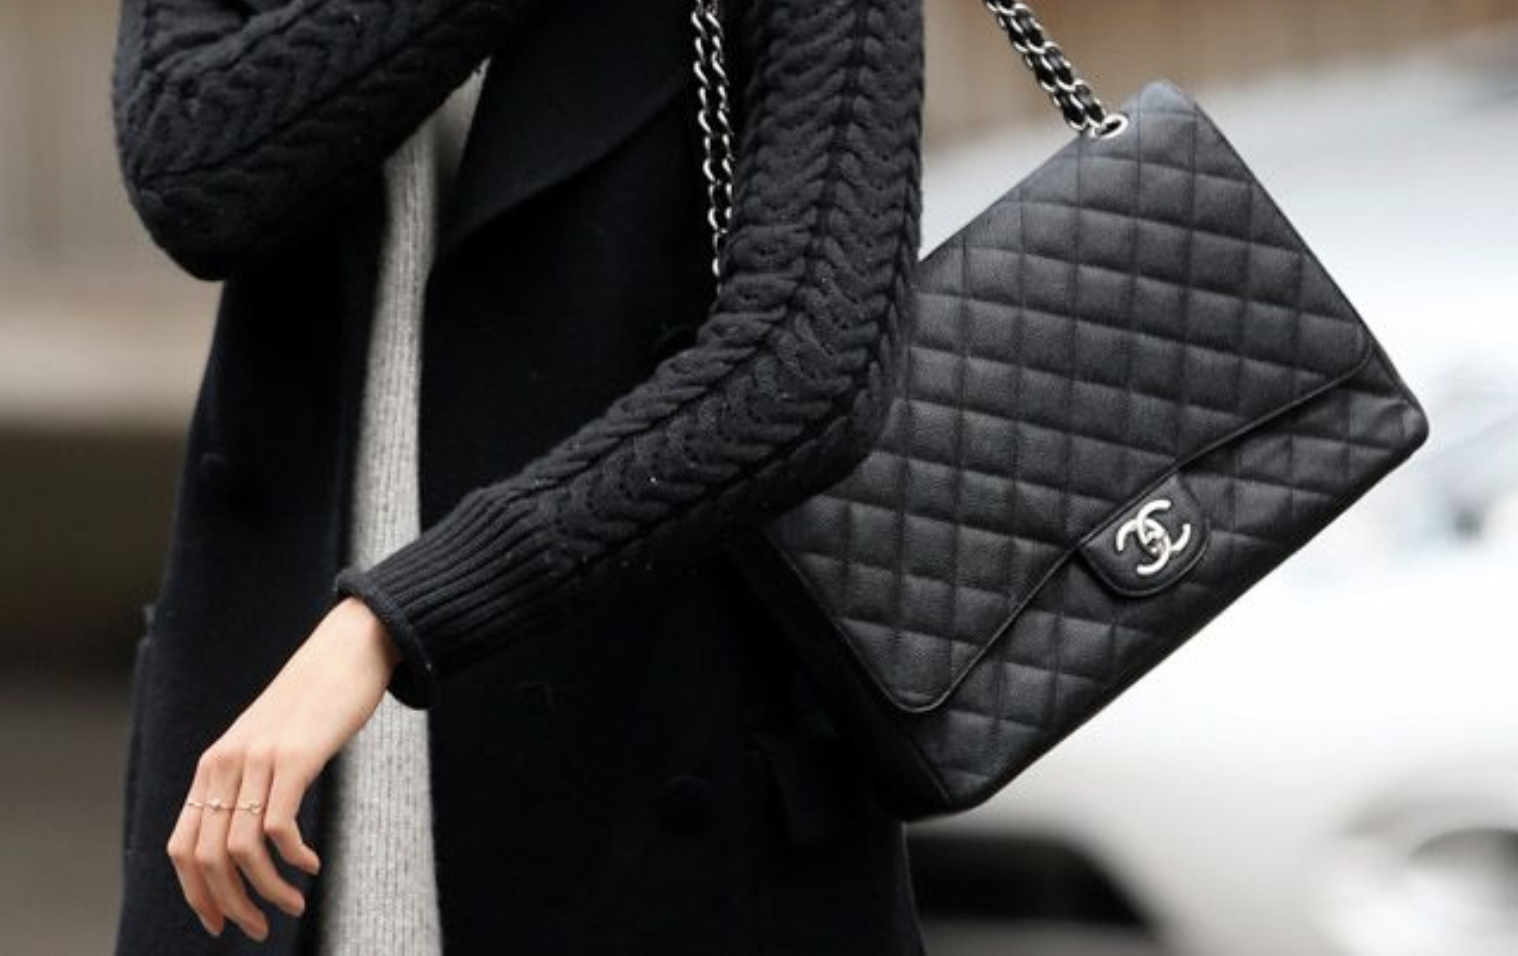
point(1329, 770)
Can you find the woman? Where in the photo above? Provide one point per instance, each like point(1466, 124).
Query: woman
point(618, 755)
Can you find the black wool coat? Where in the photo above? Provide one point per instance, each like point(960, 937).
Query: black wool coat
point(651, 780)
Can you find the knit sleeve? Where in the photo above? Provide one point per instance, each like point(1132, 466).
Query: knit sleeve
point(241, 122)
point(782, 392)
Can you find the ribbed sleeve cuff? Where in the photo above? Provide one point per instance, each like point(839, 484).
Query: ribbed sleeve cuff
point(468, 583)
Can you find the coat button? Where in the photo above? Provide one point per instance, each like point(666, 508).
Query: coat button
point(685, 805)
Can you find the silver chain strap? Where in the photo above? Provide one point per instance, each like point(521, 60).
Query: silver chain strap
point(1054, 72)
point(1051, 69)
point(715, 118)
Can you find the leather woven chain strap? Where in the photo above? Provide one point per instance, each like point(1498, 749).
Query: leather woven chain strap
point(1071, 95)
point(715, 118)
point(1054, 72)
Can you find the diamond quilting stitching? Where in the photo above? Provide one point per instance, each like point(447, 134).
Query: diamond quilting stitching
point(933, 383)
point(1269, 366)
point(1136, 645)
point(1135, 306)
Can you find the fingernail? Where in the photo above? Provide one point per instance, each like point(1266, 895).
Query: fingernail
point(300, 905)
point(209, 928)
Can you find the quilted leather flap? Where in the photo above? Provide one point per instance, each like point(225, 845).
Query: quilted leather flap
point(1135, 303)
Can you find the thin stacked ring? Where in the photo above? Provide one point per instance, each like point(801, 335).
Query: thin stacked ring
point(215, 805)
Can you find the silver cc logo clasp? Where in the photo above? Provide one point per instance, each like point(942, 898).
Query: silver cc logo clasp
point(1153, 537)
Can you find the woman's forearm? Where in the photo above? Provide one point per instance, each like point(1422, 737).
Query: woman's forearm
point(238, 123)
point(782, 394)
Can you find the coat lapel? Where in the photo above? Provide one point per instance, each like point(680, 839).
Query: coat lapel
point(579, 79)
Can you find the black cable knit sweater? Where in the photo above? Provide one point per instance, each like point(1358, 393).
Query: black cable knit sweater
point(240, 122)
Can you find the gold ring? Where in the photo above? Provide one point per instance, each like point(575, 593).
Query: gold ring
point(252, 806)
point(214, 804)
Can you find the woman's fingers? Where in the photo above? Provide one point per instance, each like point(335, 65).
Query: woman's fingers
point(245, 838)
point(291, 777)
point(224, 766)
point(218, 839)
point(181, 850)
point(267, 760)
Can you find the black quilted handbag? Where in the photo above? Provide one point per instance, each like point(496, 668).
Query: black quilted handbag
point(1128, 392)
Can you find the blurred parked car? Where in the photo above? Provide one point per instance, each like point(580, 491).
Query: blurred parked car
point(1331, 768)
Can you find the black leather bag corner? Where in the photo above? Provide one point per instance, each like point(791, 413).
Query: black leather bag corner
point(1128, 392)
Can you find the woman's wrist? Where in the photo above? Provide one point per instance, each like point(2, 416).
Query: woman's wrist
point(372, 631)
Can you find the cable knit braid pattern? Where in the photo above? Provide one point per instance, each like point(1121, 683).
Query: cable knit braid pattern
point(241, 123)
point(782, 393)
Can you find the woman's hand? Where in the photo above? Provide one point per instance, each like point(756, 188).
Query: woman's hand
point(250, 782)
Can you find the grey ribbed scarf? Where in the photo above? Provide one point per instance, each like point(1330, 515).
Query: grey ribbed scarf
point(378, 885)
